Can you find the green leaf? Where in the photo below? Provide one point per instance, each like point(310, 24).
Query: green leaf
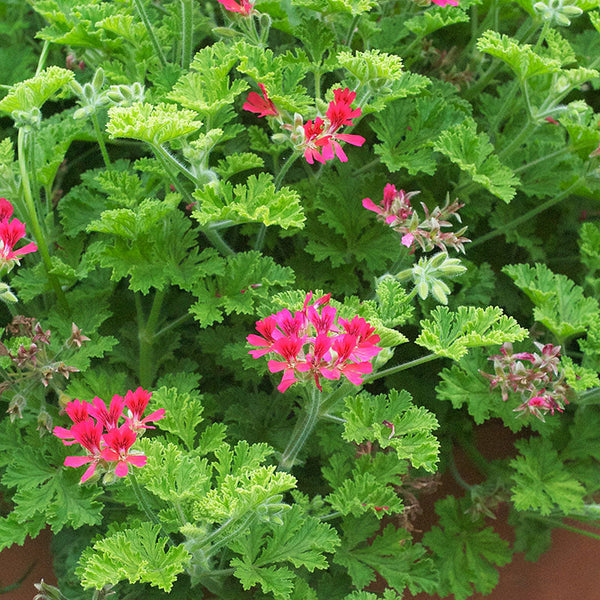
point(411, 436)
point(559, 303)
point(352, 7)
point(521, 58)
point(256, 201)
point(183, 413)
point(238, 162)
point(134, 554)
point(433, 19)
point(391, 554)
point(32, 93)
point(277, 580)
point(152, 124)
point(464, 553)
point(472, 152)
point(452, 333)
point(542, 482)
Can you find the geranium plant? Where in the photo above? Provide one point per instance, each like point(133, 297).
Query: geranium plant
point(305, 248)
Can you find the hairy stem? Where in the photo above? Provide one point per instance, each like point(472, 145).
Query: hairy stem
point(407, 365)
point(186, 33)
point(100, 139)
point(146, 336)
point(34, 221)
point(304, 427)
point(139, 4)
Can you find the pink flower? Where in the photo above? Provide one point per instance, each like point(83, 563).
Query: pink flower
point(259, 104)
point(107, 417)
point(118, 442)
point(311, 345)
point(243, 7)
point(322, 137)
point(407, 240)
point(137, 402)
point(444, 2)
point(394, 206)
point(89, 435)
point(10, 233)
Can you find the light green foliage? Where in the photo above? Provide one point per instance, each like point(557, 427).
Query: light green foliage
point(521, 58)
point(154, 124)
point(299, 539)
point(30, 94)
point(464, 553)
point(153, 244)
point(392, 308)
point(472, 152)
point(433, 19)
point(255, 201)
point(45, 493)
point(412, 437)
point(542, 482)
point(183, 413)
point(452, 333)
point(208, 88)
point(244, 282)
point(391, 554)
point(352, 7)
point(387, 595)
point(171, 474)
point(282, 75)
point(134, 554)
point(238, 162)
point(408, 130)
point(559, 303)
point(589, 248)
point(579, 378)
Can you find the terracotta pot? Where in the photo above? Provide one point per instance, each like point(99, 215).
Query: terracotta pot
point(30, 563)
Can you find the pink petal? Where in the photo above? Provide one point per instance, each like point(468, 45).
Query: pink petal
point(122, 469)
point(77, 461)
point(137, 459)
point(370, 205)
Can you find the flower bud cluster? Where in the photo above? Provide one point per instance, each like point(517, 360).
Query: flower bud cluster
point(395, 210)
point(96, 429)
point(429, 273)
point(318, 139)
point(557, 12)
point(536, 377)
point(29, 358)
point(315, 343)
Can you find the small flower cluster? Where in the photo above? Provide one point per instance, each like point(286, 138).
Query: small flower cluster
point(315, 343)
point(244, 7)
point(96, 428)
point(395, 209)
point(318, 139)
point(541, 383)
point(11, 231)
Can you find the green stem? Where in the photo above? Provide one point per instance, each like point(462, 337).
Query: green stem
point(591, 396)
point(139, 4)
point(172, 324)
point(146, 337)
point(456, 474)
point(474, 455)
point(168, 161)
point(100, 139)
point(285, 168)
point(366, 166)
point(43, 57)
point(145, 505)
point(187, 33)
point(407, 365)
point(218, 242)
point(525, 217)
point(561, 525)
point(304, 427)
point(34, 222)
point(350, 33)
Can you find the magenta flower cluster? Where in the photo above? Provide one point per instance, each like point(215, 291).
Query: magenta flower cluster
point(96, 429)
point(536, 377)
point(396, 211)
point(314, 343)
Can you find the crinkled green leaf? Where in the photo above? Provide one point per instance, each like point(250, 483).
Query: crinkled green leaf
point(411, 435)
point(473, 153)
point(452, 333)
point(134, 554)
point(255, 201)
point(155, 124)
point(542, 482)
point(464, 553)
point(433, 19)
point(559, 303)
